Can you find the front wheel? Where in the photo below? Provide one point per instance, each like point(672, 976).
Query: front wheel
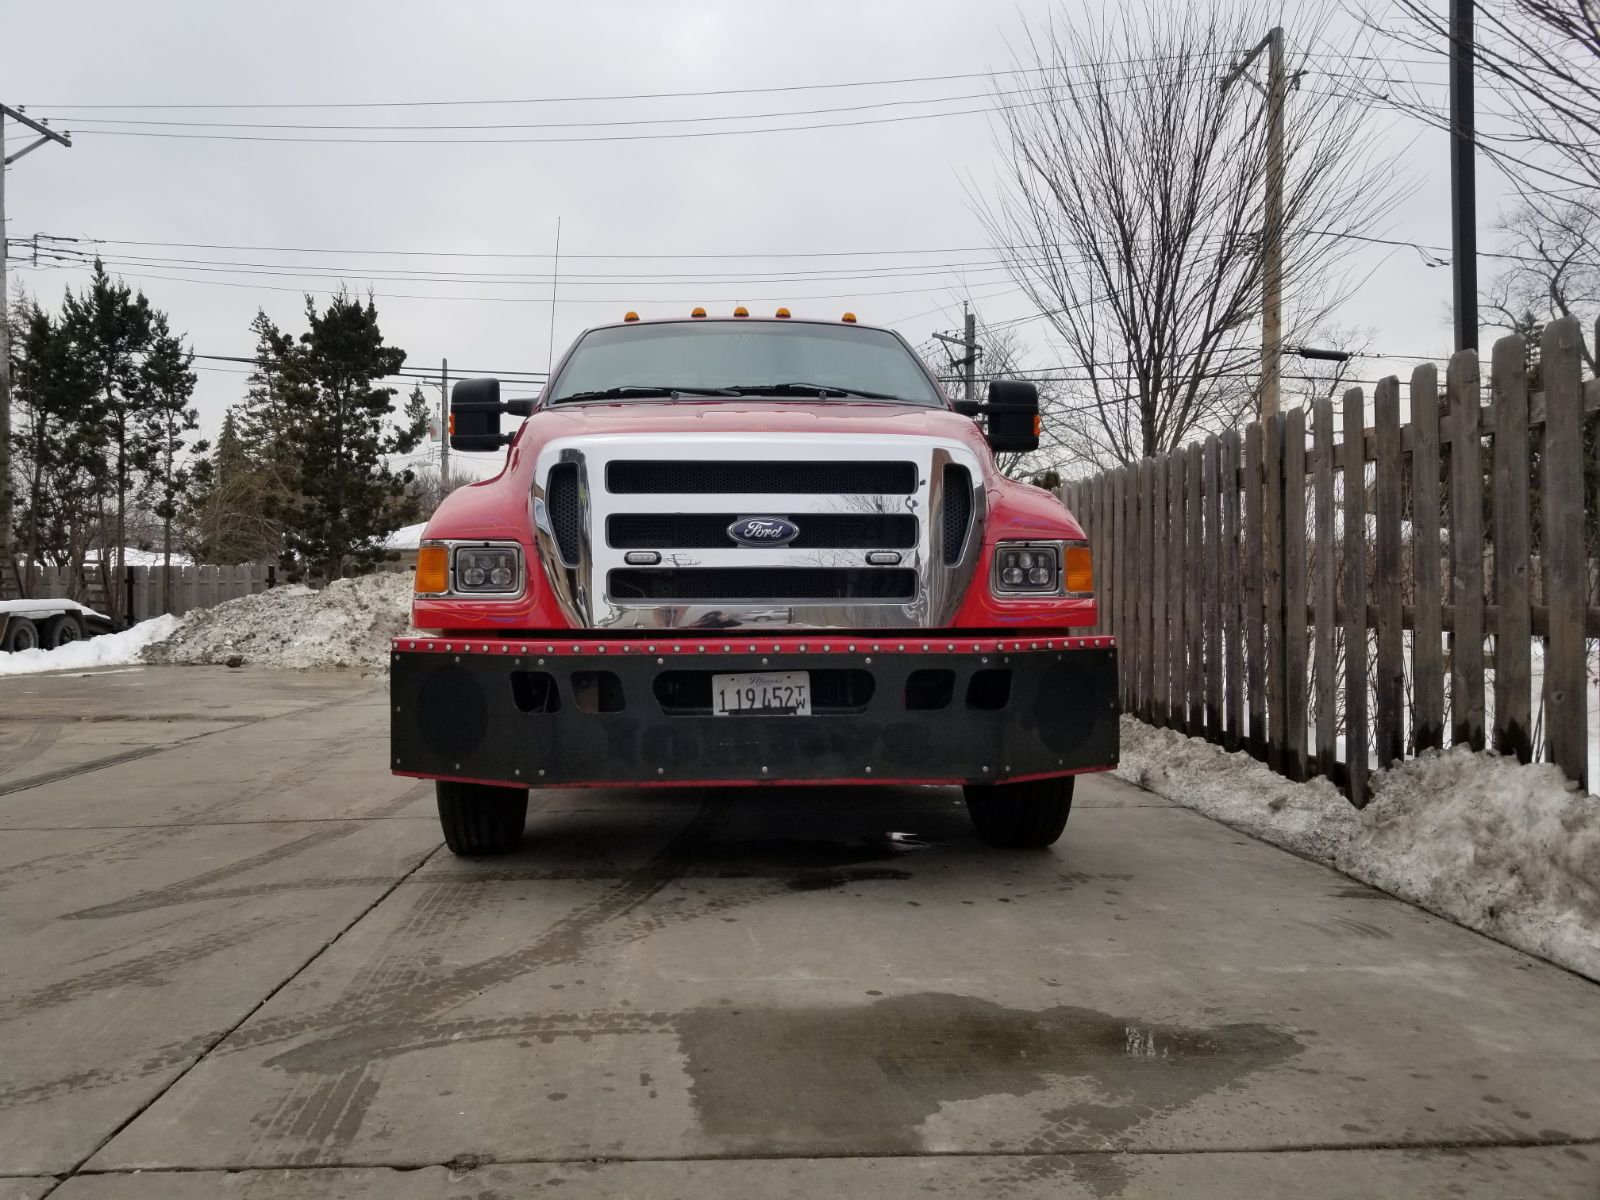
point(480, 820)
point(1019, 815)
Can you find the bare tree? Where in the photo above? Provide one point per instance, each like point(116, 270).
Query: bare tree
point(1131, 207)
point(1555, 272)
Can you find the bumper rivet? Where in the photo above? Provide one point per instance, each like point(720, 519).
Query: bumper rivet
point(802, 648)
point(869, 660)
point(524, 650)
point(924, 647)
point(397, 762)
point(661, 770)
point(986, 770)
point(875, 646)
point(752, 647)
point(516, 662)
point(397, 708)
point(541, 662)
point(627, 649)
point(827, 649)
point(702, 650)
point(869, 770)
point(576, 648)
point(602, 649)
point(430, 645)
point(677, 649)
point(541, 772)
point(984, 659)
point(652, 649)
point(727, 649)
point(950, 646)
point(458, 658)
point(764, 663)
point(763, 770)
point(660, 661)
point(517, 773)
point(549, 649)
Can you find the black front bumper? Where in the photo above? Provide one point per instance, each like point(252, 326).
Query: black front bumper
point(599, 712)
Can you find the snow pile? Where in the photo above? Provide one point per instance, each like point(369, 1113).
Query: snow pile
point(346, 624)
point(111, 650)
point(1509, 850)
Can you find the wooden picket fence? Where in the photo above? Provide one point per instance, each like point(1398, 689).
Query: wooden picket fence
point(1292, 597)
point(142, 590)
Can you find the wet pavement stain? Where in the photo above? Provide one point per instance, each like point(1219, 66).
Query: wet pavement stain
point(863, 1079)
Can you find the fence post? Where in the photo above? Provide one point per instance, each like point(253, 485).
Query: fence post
point(1390, 677)
point(1466, 550)
point(1272, 493)
point(1147, 585)
point(1194, 677)
point(1565, 565)
point(1176, 641)
point(1427, 660)
point(1355, 598)
point(1513, 621)
point(1324, 586)
point(1294, 593)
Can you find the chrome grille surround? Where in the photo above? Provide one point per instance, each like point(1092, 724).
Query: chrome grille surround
point(581, 589)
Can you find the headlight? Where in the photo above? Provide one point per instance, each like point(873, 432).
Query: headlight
point(1028, 568)
point(488, 570)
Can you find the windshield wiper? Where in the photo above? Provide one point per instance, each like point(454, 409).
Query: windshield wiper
point(644, 390)
point(820, 390)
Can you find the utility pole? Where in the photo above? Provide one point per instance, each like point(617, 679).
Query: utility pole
point(1272, 223)
point(444, 428)
point(969, 361)
point(46, 134)
point(1463, 179)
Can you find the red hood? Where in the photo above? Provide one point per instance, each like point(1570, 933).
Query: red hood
point(498, 507)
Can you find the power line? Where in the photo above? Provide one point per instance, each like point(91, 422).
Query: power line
point(748, 91)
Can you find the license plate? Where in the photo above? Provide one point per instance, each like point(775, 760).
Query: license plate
point(777, 694)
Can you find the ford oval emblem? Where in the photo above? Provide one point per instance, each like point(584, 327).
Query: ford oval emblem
point(763, 531)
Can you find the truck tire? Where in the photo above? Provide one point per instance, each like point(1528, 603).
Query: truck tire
point(20, 634)
point(479, 820)
point(61, 630)
point(1020, 815)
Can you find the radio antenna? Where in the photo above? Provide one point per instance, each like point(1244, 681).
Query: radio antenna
point(555, 283)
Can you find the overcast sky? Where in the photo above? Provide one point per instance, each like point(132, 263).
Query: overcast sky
point(873, 187)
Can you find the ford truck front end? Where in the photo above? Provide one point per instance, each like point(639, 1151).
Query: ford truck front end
point(751, 551)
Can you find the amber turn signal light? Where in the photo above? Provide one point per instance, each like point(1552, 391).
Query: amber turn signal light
point(699, 312)
point(741, 311)
point(782, 312)
point(848, 318)
point(630, 316)
point(433, 570)
point(1080, 570)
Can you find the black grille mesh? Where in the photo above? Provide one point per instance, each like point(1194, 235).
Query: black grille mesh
point(957, 511)
point(566, 511)
point(709, 531)
point(706, 584)
point(823, 478)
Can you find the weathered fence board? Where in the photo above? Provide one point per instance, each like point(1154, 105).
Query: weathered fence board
point(1355, 601)
point(1232, 571)
point(1147, 585)
point(1566, 575)
point(1177, 643)
point(1466, 551)
point(1324, 585)
point(1389, 675)
point(1272, 509)
point(1157, 707)
point(1255, 625)
point(1212, 597)
point(1194, 677)
point(1427, 661)
point(1294, 594)
point(1513, 621)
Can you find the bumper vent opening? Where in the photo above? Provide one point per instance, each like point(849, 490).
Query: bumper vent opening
point(597, 691)
point(989, 690)
point(930, 690)
point(957, 512)
point(535, 692)
point(566, 511)
point(632, 476)
point(794, 585)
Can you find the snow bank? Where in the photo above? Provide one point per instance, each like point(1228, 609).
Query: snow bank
point(347, 624)
point(114, 649)
point(1512, 851)
point(407, 537)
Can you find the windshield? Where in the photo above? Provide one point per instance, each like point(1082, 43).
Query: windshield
point(724, 358)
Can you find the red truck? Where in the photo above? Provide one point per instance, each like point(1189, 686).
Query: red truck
point(751, 551)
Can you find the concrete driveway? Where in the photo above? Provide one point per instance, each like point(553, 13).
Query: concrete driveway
point(235, 961)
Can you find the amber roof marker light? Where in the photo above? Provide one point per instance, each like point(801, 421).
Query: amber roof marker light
point(741, 311)
point(630, 316)
point(699, 312)
point(782, 312)
point(848, 318)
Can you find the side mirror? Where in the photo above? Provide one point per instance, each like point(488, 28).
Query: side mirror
point(1013, 413)
point(475, 408)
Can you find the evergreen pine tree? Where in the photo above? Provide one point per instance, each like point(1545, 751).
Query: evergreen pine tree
point(166, 385)
point(338, 432)
point(110, 327)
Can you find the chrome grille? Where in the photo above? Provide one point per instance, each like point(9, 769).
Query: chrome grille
point(899, 554)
